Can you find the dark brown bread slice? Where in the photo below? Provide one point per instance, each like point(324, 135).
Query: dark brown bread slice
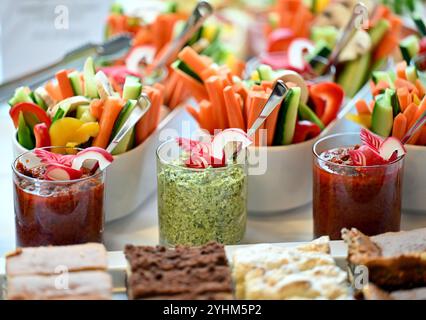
point(372, 292)
point(180, 273)
point(395, 260)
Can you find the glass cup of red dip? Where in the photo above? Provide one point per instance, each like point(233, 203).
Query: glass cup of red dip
point(344, 196)
point(56, 212)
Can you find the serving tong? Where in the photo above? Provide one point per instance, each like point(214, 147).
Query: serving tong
point(112, 49)
point(201, 12)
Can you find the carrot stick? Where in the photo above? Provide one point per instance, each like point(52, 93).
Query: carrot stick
point(194, 113)
point(233, 109)
point(401, 83)
point(420, 109)
point(96, 108)
point(400, 70)
point(270, 125)
point(64, 84)
point(390, 40)
point(257, 102)
point(207, 73)
point(111, 111)
point(198, 91)
point(142, 127)
point(206, 116)
point(404, 98)
point(410, 112)
point(399, 126)
point(178, 92)
point(422, 138)
point(380, 87)
point(53, 91)
point(415, 137)
point(238, 68)
point(420, 88)
point(193, 60)
point(215, 92)
point(170, 85)
point(362, 107)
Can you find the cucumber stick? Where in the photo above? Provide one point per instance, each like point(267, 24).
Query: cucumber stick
point(378, 31)
point(410, 47)
point(24, 133)
point(354, 74)
point(89, 79)
point(22, 94)
point(132, 88)
point(382, 117)
point(128, 140)
point(76, 84)
point(287, 117)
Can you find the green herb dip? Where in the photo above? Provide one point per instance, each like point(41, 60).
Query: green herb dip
point(199, 206)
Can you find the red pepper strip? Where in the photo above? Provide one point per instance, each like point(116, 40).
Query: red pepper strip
point(30, 108)
point(329, 97)
point(305, 130)
point(42, 137)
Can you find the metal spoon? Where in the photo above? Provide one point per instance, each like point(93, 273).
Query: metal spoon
point(274, 100)
point(142, 107)
point(200, 13)
point(346, 36)
point(414, 128)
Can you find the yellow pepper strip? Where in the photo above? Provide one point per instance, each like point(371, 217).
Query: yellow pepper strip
point(416, 99)
point(71, 130)
point(361, 119)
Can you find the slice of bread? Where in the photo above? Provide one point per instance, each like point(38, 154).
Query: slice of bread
point(395, 260)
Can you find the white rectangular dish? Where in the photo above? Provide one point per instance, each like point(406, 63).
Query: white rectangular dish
point(117, 265)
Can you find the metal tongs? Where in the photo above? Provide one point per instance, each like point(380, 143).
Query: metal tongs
point(200, 13)
point(112, 49)
point(142, 106)
point(347, 34)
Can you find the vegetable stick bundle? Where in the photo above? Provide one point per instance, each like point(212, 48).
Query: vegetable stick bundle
point(399, 99)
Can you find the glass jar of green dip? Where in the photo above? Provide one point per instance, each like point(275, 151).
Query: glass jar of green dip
point(196, 206)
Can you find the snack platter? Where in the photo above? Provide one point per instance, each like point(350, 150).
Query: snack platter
point(117, 265)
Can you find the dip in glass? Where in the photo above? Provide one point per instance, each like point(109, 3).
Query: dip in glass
point(56, 212)
point(196, 206)
point(346, 196)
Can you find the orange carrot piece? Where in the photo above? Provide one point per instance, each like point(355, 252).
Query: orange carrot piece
point(206, 116)
point(362, 107)
point(420, 88)
point(401, 83)
point(404, 98)
point(420, 109)
point(390, 40)
point(215, 92)
point(198, 91)
point(194, 113)
point(267, 84)
point(371, 106)
point(380, 87)
point(400, 70)
point(233, 109)
point(96, 108)
point(143, 126)
point(193, 60)
point(238, 68)
point(53, 91)
point(422, 139)
point(64, 84)
point(257, 87)
point(399, 126)
point(270, 125)
point(410, 112)
point(111, 111)
point(257, 102)
point(380, 12)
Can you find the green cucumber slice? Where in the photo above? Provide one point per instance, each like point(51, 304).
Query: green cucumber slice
point(354, 74)
point(382, 117)
point(76, 83)
point(132, 88)
point(128, 140)
point(24, 135)
point(265, 72)
point(378, 31)
point(325, 34)
point(409, 47)
point(377, 76)
point(287, 117)
point(89, 79)
point(418, 21)
point(22, 94)
point(411, 73)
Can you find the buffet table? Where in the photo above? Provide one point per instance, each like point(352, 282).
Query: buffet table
point(141, 227)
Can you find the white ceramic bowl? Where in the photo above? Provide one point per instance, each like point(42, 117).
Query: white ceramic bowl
point(414, 181)
point(287, 182)
point(132, 177)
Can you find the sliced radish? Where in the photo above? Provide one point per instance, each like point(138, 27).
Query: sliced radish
point(48, 157)
point(390, 147)
point(370, 139)
point(226, 136)
point(138, 55)
point(103, 158)
point(30, 160)
point(197, 162)
point(358, 157)
point(297, 50)
point(60, 172)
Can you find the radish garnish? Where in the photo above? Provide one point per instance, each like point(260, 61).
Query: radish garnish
point(53, 158)
point(370, 139)
point(226, 136)
point(390, 147)
point(297, 50)
point(197, 162)
point(60, 172)
point(103, 158)
point(358, 157)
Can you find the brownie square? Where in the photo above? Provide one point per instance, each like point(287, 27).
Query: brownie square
point(181, 273)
